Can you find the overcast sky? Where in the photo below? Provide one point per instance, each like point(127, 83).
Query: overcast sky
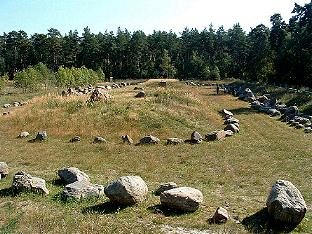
point(37, 16)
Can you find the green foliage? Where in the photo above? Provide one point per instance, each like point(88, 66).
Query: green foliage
point(3, 80)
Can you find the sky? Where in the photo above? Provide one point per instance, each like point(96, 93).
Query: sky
point(37, 16)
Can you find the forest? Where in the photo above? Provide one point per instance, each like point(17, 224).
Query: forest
point(281, 54)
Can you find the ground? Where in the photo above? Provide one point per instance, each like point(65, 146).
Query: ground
point(236, 173)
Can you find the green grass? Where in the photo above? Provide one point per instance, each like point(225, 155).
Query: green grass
point(236, 173)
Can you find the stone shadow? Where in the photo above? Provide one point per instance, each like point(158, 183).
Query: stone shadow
point(243, 110)
point(260, 222)
point(7, 192)
point(104, 208)
point(159, 209)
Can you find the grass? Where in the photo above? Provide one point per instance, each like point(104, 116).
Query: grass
point(236, 173)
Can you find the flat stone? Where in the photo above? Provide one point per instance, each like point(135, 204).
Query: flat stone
point(232, 127)
point(127, 139)
point(23, 135)
point(82, 189)
point(164, 187)
point(216, 135)
point(72, 174)
point(23, 182)
point(99, 139)
point(174, 141)
point(149, 140)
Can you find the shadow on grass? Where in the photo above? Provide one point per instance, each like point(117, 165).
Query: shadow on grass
point(105, 208)
point(243, 110)
point(260, 222)
point(57, 182)
point(7, 192)
point(159, 209)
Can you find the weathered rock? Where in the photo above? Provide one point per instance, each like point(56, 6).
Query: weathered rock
point(229, 133)
point(149, 140)
point(23, 182)
point(255, 105)
point(23, 134)
point(127, 190)
point(82, 189)
point(174, 141)
point(4, 170)
point(226, 113)
point(41, 136)
point(127, 139)
point(196, 138)
point(7, 105)
point(308, 130)
point(140, 94)
point(285, 203)
point(75, 139)
point(216, 135)
point(231, 120)
point(99, 139)
point(183, 198)
point(273, 112)
point(16, 104)
point(72, 174)
point(299, 126)
point(164, 187)
point(232, 127)
point(220, 216)
point(262, 98)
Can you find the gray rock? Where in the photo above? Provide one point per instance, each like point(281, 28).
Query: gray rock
point(82, 189)
point(174, 141)
point(16, 104)
point(228, 133)
point(7, 105)
point(149, 140)
point(220, 216)
point(299, 126)
point(231, 120)
point(4, 170)
point(99, 139)
point(140, 94)
point(127, 139)
point(273, 112)
point(232, 127)
point(23, 135)
point(216, 135)
point(196, 138)
point(226, 113)
point(72, 174)
point(184, 199)
point(308, 130)
point(285, 203)
point(75, 139)
point(127, 190)
point(41, 136)
point(23, 182)
point(164, 187)
point(255, 105)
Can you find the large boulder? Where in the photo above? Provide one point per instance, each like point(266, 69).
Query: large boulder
point(164, 187)
point(82, 189)
point(216, 135)
point(285, 203)
point(196, 138)
point(185, 199)
point(4, 170)
point(149, 140)
point(23, 182)
point(72, 174)
point(127, 190)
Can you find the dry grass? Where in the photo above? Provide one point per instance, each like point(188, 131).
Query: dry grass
point(236, 173)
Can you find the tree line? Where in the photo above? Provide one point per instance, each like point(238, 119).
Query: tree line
point(280, 54)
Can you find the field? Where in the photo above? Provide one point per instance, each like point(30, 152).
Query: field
point(236, 173)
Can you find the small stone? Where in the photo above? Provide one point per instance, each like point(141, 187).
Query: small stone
point(99, 139)
point(23, 182)
point(196, 138)
point(164, 187)
point(140, 94)
point(229, 133)
point(149, 140)
point(4, 170)
point(41, 136)
point(308, 130)
point(127, 139)
point(216, 135)
point(7, 105)
point(72, 174)
point(23, 135)
point(225, 113)
point(220, 216)
point(82, 189)
point(232, 127)
point(174, 141)
point(75, 139)
point(16, 104)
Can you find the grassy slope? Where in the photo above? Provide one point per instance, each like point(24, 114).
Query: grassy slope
point(236, 173)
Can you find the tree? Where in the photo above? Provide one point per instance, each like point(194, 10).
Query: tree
point(168, 70)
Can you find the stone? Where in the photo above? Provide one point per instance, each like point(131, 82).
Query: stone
point(41, 136)
point(4, 170)
point(7, 105)
point(82, 189)
point(299, 126)
point(220, 216)
point(231, 120)
point(308, 130)
point(23, 134)
point(225, 113)
point(196, 138)
point(127, 139)
point(72, 174)
point(229, 133)
point(262, 98)
point(216, 135)
point(99, 139)
point(255, 105)
point(140, 94)
point(16, 104)
point(185, 199)
point(232, 127)
point(149, 140)
point(164, 187)
point(127, 190)
point(23, 182)
point(174, 141)
point(273, 112)
point(285, 203)
point(75, 139)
